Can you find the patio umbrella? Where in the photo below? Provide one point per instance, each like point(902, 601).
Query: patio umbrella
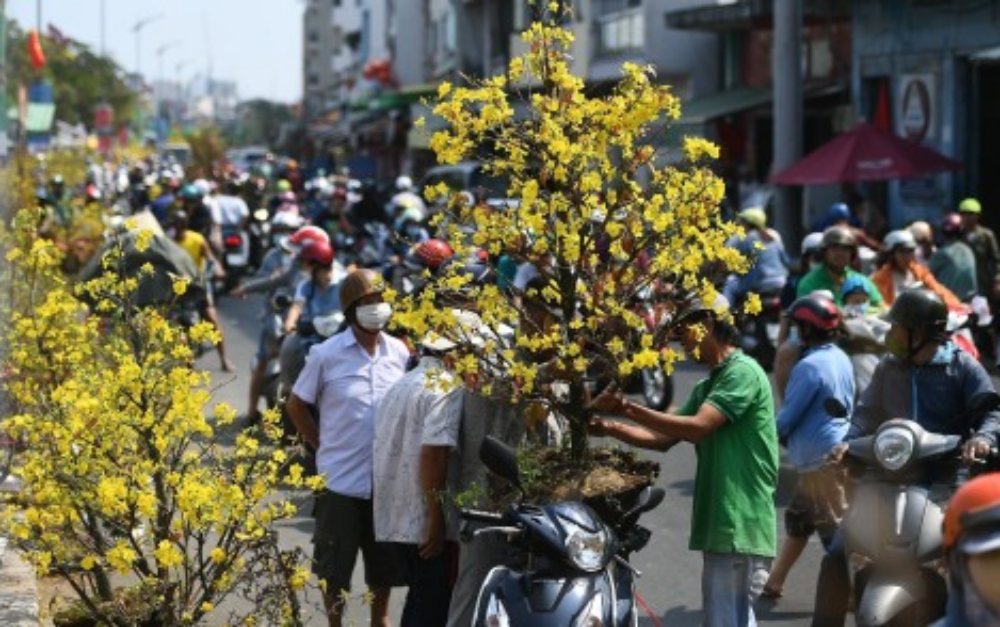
point(865, 153)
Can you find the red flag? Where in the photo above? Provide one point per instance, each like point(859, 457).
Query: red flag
point(35, 52)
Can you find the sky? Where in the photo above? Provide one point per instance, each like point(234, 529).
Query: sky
point(257, 43)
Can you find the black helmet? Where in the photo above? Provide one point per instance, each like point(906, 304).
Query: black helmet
point(839, 236)
point(816, 311)
point(920, 309)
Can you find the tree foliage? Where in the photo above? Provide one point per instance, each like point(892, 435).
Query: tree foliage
point(81, 78)
point(261, 122)
point(598, 217)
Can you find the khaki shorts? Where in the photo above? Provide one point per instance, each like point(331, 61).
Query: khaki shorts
point(818, 504)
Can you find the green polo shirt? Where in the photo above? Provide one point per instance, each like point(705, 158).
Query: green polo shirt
point(820, 279)
point(733, 508)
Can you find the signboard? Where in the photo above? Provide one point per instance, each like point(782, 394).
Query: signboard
point(917, 107)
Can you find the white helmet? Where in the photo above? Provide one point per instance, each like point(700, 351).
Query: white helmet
point(404, 183)
point(287, 220)
point(812, 243)
point(897, 239)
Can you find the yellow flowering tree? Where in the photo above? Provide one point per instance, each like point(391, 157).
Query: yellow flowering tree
point(597, 212)
point(124, 480)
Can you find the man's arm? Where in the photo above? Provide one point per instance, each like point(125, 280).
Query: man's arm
point(798, 396)
point(689, 428)
point(301, 417)
point(632, 434)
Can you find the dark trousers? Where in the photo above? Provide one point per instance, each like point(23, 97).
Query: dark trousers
point(430, 583)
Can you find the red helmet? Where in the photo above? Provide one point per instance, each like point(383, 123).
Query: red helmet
point(972, 522)
point(430, 254)
point(308, 234)
point(951, 224)
point(816, 311)
point(320, 253)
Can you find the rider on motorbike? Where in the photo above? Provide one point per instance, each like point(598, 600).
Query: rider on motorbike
point(278, 272)
point(315, 297)
point(770, 264)
point(928, 379)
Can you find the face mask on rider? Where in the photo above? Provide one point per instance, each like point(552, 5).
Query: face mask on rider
point(855, 311)
point(374, 317)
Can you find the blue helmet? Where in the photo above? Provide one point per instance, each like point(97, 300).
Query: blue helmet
point(191, 192)
point(852, 285)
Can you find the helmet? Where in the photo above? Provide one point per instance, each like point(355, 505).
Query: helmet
point(191, 192)
point(288, 196)
point(838, 211)
point(357, 285)
point(429, 254)
point(287, 221)
point(920, 309)
point(719, 307)
point(203, 186)
point(899, 239)
point(284, 186)
point(951, 224)
point(812, 243)
point(318, 252)
point(921, 231)
point(839, 236)
point(852, 285)
point(754, 216)
point(970, 205)
point(818, 312)
point(57, 179)
point(404, 183)
point(309, 234)
point(972, 521)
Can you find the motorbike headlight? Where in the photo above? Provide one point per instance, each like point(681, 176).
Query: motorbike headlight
point(588, 550)
point(496, 613)
point(260, 215)
point(894, 447)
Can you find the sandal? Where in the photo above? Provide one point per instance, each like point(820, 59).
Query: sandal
point(771, 593)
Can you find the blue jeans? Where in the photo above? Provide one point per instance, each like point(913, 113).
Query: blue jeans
point(730, 583)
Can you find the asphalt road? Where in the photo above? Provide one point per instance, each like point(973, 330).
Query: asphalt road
point(671, 574)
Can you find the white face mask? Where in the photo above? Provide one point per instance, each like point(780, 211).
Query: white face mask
point(855, 311)
point(374, 317)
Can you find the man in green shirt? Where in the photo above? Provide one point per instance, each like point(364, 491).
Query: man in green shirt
point(730, 420)
point(839, 248)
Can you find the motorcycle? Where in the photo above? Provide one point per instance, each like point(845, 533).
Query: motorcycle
point(657, 385)
point(893, 527)
point(271, 390)
point(759, 333)
point(260, 235)
point(572, 568)
point(235, 254)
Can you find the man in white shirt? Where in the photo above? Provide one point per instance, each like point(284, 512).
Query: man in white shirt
point(232, 210)
point(345, 378)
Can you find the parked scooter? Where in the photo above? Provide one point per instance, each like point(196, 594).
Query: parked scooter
point(573, 567)
point(260, 235)
point(894, 523)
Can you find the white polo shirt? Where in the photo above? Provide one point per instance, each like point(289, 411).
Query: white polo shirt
point(347, 384)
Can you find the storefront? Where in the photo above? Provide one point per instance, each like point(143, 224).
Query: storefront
point(931, 72)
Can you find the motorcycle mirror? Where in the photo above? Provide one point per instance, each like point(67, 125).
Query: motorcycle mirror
point(649, 499)
point(281, 301)
point(501, 460)
point(835, 408)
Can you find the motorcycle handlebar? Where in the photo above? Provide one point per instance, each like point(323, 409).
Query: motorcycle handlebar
point(473, 515)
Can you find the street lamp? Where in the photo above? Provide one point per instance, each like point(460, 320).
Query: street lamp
point(159, 57)
point(137, 30)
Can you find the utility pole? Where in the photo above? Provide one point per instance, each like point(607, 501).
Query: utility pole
point(788, 123)
point(137, 30)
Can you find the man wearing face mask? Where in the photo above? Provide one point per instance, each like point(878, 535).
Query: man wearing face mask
point(346, 378)
point(926, 378)
point(972, 540)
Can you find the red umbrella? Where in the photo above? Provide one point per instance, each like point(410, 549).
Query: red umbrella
point(865, 153)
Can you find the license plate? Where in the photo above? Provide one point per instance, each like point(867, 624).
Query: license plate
point(236, 259)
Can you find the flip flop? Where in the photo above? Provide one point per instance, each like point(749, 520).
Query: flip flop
point(771, 593)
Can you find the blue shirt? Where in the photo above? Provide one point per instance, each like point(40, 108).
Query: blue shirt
point(317, 300)
point(824, 372)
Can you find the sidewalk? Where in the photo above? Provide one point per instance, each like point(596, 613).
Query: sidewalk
point(18, 590)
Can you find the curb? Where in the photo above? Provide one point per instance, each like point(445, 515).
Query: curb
point(18, 590)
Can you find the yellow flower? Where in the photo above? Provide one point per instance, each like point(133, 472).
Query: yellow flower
point(698, 148)
point(217, 555)
point(167, 554)
point(180, 285)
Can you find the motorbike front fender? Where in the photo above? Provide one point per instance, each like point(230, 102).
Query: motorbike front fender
point(532, 601)
point(885, 597)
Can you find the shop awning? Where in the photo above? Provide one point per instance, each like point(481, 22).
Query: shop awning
point(701, 110)
point(395, 100)
point(744, 14)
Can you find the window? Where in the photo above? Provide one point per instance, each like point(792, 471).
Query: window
point(624, 30)
point(314, 79)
